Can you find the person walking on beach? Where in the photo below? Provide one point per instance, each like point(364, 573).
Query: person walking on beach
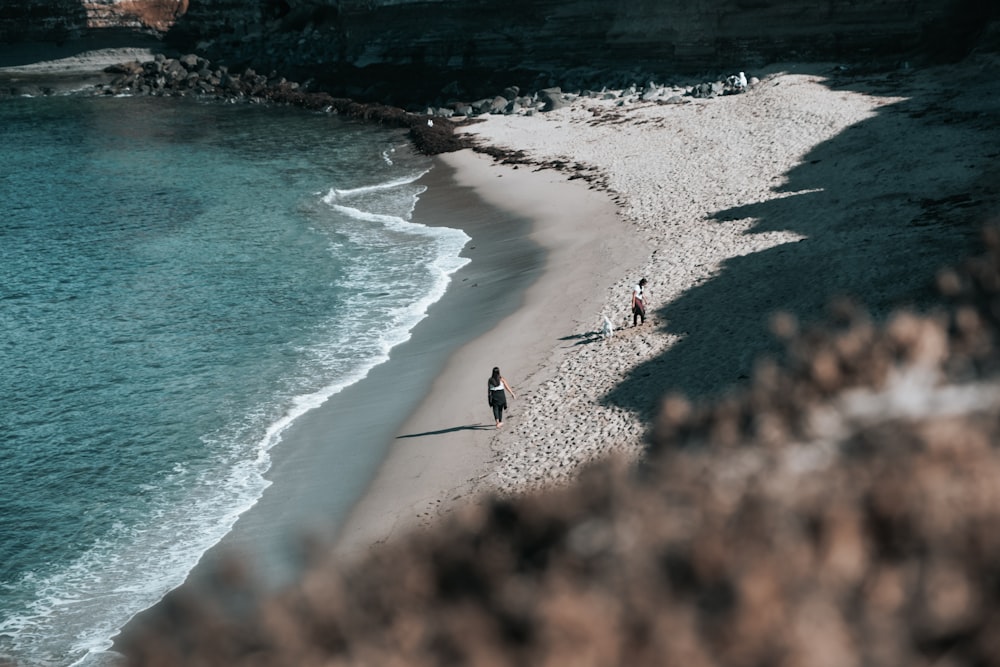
point(496, 395)
point(639, 303)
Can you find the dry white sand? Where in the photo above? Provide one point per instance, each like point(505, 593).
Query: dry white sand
point(810, 185)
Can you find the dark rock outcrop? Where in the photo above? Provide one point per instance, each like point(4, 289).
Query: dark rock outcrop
point(194, 75)
point(541, 35)
point(417, 47)
point(42, 20)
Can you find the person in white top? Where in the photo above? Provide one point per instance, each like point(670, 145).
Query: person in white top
point(639, 303)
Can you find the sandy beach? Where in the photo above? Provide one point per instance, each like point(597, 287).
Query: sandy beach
point(585, 244)
point(817, 183)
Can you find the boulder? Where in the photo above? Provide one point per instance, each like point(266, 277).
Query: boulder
point(552, 99)
point(190, 61)
point(651, 94)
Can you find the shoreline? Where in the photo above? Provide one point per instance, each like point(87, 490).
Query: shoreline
point(415, 486)
point(347, 438)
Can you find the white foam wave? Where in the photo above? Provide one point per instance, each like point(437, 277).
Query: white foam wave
point(336, 194)
point(87, 599)
point(399, 224)
point(439, 262)
point(358, 214)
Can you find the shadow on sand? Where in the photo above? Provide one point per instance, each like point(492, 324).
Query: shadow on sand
point(882, 206)
point(586, 338)
point(467, 427)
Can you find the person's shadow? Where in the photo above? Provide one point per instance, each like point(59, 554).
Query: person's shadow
point(468, 427)
point(881, 207)
point(585, 338)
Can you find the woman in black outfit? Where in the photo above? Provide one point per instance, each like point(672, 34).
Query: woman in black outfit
point(497, 396)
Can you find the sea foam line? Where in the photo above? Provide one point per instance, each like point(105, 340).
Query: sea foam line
point(449, 242)
point(337, 193)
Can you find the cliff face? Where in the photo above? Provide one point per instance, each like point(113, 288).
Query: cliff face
point(557, 34)
point(42, 20)
point(534, 34)
point(412, 49)
point(158, 15)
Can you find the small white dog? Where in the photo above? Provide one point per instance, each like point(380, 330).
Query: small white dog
point(608, 330)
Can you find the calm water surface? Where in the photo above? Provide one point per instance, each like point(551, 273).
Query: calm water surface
point(178, 282)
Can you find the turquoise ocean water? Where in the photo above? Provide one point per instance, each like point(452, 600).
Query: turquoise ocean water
point(178, 282)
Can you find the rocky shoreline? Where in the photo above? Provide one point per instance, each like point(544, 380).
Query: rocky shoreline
point(431, 128)
point(194, 75)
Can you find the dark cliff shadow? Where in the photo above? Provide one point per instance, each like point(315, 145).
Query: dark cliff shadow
point(881, 207)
